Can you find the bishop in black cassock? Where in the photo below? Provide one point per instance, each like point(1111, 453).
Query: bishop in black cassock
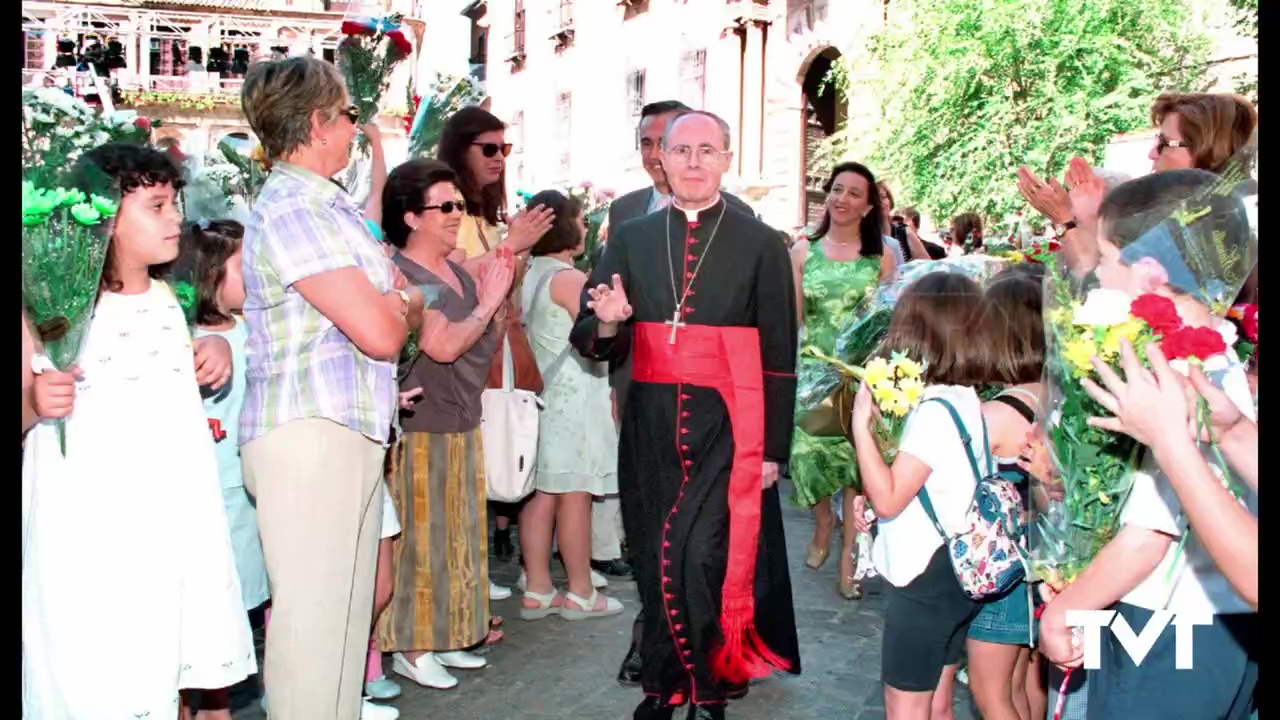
point(711, 400)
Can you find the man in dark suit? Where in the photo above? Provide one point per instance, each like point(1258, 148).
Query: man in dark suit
point(654, 118)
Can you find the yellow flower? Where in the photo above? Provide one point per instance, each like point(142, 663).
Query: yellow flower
point(907, 367)
point(1128, 330)
point(1104, 498)
point(1077, 353)
point(884, 393)
point(912, 389)
point(1016, 257)
point(876, 371)
point(899, 407)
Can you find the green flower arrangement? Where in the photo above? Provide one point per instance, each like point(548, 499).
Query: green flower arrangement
point(64, 245)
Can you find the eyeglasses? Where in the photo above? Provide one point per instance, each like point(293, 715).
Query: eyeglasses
point(1163, 142)
point(352, 113)
point(447, 207)
point(491, 149)
point(681, 154)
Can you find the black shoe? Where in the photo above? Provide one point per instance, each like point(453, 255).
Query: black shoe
point(502, 547)
point(629, 673)
point(706, 712)
point(736, 692)
point(615, 568)
point(652, 708)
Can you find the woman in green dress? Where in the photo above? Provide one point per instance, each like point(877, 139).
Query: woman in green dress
point(834, 269)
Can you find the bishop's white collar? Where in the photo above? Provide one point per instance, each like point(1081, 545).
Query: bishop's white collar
point(693, 214)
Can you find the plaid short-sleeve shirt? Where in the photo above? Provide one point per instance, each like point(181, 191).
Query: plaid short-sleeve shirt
point(299, 364)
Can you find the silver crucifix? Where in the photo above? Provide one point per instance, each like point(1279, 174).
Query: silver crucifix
point(675, 324)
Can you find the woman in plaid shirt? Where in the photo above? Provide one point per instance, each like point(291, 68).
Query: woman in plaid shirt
point(327, 316)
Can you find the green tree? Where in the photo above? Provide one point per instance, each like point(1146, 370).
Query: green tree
point(971, 89)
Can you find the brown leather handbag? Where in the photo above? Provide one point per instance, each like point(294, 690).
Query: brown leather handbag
point(511, 333)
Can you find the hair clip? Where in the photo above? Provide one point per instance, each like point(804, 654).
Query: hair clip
point(203, 224)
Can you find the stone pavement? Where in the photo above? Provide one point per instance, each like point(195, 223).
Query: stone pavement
point(557, 670)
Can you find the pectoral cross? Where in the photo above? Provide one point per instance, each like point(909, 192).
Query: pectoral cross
point(675, 324)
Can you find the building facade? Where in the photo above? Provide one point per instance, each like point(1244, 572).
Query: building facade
point(571, 77)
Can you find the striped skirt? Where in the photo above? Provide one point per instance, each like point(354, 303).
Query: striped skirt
point(440, 560)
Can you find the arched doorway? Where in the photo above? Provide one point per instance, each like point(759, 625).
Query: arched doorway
point(823, 115)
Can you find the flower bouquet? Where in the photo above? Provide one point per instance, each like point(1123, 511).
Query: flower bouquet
point(371, 48)
point(449, 94)
point(1204, 251)
point(64, 246)
point(897, 384)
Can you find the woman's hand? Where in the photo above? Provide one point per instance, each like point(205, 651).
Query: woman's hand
point(55, 393)
point(213, 361)
point(528, 227)
point(610, 303)
point(864, 408)
point(1087, 192)
point(1149, 406)
point(860, 522)
point(495, 280)
point(1049, 199)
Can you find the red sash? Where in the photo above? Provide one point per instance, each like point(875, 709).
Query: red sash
point(726, 359)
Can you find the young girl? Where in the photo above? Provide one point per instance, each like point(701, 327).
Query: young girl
point(1004, 673)
point(126, 546)
point(211, 252)
point(928, 613)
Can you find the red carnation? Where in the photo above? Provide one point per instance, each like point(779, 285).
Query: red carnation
point(1157, 311)
point(401, 42)
point(1250, 322)
point(142, 123)
point(1054, 245)
point(1200, 343)
point(350, 27)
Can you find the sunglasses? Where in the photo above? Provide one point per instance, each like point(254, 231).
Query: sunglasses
point(491, 149)
point(447, 207)
point(352, 113)
point(1163, 142)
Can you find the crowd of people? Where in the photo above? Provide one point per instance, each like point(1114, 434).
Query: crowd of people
point(340, 358)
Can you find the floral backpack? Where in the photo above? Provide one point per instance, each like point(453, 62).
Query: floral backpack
point(986, 557)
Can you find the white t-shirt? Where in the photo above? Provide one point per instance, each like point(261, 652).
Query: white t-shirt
point(1196, 582)
point(906, 543)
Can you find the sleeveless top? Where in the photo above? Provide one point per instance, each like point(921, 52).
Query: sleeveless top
point(832, 291)
point(450, 401)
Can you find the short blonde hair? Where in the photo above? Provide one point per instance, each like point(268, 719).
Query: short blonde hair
point(1215, 125)
point(279, 97)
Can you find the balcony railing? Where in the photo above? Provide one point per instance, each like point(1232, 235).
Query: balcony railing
point(191, 83)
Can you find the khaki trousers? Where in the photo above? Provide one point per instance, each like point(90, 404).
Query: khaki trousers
point(319, 490)
point(606, 529)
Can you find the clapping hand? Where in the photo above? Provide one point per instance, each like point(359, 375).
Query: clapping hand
point(1049, 199)
point(496, 279)
point(1087, 192)
point(528, 227)
point(609, 303)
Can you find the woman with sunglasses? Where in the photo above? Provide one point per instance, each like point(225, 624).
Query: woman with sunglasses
point(327, 314)
point(473, 143)
point(440, 610)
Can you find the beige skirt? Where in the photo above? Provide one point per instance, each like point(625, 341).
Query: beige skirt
point(440, 560)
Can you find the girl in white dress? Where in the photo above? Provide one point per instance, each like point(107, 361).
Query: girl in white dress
point(130, 590)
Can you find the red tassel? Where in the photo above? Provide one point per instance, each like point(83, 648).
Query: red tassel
point(743, 656)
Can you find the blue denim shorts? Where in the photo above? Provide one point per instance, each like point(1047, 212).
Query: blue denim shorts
point(1005, 620)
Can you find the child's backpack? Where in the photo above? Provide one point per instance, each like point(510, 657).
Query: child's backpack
point(987, 556)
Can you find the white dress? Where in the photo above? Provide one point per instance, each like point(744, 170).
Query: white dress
point(129, 582)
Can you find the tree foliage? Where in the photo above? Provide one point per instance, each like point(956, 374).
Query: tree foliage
point(971, 89)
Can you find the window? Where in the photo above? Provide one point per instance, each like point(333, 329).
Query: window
point(693, 78)
point(564, 129)
point(566, 13)
point(33, 58)
point(635, 92)
point(517, 38)
point(517, 132)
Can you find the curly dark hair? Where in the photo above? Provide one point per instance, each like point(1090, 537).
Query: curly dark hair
point(406, 192)
point(123, 168)
point(203, 258)
point(567, 231)
point(460, 130)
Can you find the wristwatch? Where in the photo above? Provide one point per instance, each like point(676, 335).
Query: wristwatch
point(1064, 227)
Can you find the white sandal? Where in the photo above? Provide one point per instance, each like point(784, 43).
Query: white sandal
point(611, 607)
point(546, 605)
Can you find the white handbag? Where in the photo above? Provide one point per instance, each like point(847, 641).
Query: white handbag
point(509, 431)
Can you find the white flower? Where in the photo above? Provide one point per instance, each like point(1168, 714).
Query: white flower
point(1103, 307)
